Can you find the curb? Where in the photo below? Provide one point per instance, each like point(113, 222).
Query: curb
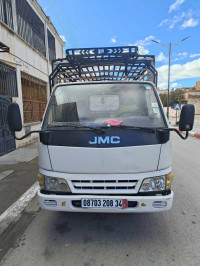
point(194, 134)
point(197, 135)
point(14, 211)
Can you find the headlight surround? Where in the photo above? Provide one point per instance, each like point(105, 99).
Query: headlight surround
point(153, 184)
point(56, 184)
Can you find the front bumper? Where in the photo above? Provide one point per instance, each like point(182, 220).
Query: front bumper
point(144, 203)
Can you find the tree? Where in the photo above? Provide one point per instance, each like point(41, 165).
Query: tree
point(176, 96)
point(163, 97)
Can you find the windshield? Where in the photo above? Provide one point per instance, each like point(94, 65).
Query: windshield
point(100, 105)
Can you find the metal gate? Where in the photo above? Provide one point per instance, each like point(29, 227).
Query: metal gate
point(7, 142)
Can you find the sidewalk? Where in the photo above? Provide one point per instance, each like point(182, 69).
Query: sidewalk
point(18, 172)
point(196, 128)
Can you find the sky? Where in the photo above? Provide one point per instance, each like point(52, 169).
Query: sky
point(101, 23)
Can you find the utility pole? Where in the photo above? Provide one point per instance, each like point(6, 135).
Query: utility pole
point(169, 46)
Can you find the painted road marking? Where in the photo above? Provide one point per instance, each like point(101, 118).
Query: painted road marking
point(17, 207)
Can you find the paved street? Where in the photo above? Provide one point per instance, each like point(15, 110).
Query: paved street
point(170, 238)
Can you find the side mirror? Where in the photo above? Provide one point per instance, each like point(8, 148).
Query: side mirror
point(187, 118)
point(14, 117)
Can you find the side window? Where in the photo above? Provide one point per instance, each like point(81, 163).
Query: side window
point(152, 104)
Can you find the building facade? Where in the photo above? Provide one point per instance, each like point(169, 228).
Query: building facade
point(28, 44)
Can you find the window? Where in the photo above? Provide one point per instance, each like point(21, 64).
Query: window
point(34, 94)
point(51, 44)
point(30, 27)
point(8, 81)
point(6, 12)
point(132, 104)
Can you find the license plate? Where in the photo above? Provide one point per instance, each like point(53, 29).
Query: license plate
point(104, 203)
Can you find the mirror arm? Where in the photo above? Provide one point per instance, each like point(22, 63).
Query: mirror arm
point(174, 129)
point(34, 131)
point(180, 135)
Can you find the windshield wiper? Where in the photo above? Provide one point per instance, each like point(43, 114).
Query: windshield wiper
point(101, 129)
point(80, 126)
point(132, 127)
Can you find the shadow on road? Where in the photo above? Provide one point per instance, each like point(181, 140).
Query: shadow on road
point(104, 228)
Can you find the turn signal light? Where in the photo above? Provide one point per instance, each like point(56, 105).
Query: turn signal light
point(40, 178)
point(168, 180)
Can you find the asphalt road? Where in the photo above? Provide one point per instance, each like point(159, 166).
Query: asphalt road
point(169, 238)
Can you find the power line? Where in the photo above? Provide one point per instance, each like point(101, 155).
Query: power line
point(54, 8)
point(68, 24)
point(57, 16)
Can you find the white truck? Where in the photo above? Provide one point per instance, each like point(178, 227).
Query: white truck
point(104, 143)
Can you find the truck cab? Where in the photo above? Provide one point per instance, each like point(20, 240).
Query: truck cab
point(104, 143)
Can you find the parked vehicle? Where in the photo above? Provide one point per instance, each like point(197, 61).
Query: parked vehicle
point(104, 143)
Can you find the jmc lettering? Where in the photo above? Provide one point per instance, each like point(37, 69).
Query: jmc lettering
point(105, 140)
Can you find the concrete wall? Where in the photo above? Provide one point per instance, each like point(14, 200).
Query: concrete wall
point(172, 112)
point(28, 60)
point(196, 106)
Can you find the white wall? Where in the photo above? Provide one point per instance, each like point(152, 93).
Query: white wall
point(31, 62)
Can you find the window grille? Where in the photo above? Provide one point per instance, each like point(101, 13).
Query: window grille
point(51, 44)
point(34, 94)
point(30, 27)
point(6, 12)
point(8, 81)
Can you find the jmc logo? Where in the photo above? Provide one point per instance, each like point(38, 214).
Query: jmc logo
point(106, 140)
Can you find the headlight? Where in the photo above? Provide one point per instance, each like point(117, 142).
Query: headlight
point(153, 184)
point(56, 184)
point(158, 183)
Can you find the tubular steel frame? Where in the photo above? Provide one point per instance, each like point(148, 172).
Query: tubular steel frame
point(106, 63)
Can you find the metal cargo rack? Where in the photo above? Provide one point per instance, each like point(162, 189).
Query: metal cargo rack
point(106, 63)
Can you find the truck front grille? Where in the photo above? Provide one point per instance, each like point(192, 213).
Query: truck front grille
point(104, 186)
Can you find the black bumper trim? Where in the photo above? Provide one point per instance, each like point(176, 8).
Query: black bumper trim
point(152, 193)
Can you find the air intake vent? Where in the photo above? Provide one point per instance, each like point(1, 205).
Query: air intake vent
point(50, 203)
point(159, 204)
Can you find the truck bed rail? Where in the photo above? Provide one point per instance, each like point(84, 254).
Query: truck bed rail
point(106, 63)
